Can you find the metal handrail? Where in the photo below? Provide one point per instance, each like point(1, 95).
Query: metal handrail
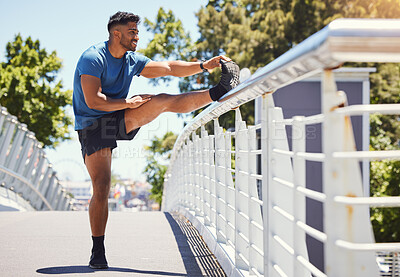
point(343, 40)
point(27, 183)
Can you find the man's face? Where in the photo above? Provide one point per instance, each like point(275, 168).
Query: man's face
point(129, 36)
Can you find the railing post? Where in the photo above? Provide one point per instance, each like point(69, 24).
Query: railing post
point(10, 125)
point(3, 117)
point(28, 146)
point(191, 187)
point(14, 155)
point(299, 201)
point(196, 174)
point(29, 171)
point(242, 219)
point(229, 185)
point(267, 103)
point(255, 224)
point(44, 184)
point(39, 168)
point(205, 156)
point(213, 183)
point(347, 223)
point(14, 152)
point(52, 184)
point(53, 198)
point(220, 183)
point(181, 177)
point(22, 160)
point(188, 196)
point(62, 201)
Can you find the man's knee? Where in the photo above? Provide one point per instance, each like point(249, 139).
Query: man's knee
point(164, 101)
point(101, 187)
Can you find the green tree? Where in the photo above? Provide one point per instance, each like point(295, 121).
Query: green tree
point(29, 90)
point(158, 154)
point(385, 181)
point(170, 40)
point(385, 135)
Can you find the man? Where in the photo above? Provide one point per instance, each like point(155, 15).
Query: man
point(104, 115)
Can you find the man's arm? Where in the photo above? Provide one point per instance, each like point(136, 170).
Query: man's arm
point(179, 68)
point(95, 99)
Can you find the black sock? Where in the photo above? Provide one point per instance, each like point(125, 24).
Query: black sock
point(217, 92)
point(98, 243)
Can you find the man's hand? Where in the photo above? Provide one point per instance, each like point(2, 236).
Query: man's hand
point(214, 62)
point(137, 100)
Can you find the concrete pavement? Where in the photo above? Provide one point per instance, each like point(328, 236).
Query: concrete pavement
point(137, 244)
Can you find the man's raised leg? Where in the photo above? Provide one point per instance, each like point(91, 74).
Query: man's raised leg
point(99, 167)
point(182, 103)
point(160, 103)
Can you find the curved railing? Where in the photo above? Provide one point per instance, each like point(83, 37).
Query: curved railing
point(254, 220)
point(24, 168)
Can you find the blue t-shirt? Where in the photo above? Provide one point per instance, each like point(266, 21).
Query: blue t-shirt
point(115, 75)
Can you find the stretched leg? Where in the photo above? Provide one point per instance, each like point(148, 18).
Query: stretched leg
point(181, 103)
point(99, 167)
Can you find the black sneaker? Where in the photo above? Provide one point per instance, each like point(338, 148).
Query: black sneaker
point(229, 80)
point(230, 75)
point(98, 260)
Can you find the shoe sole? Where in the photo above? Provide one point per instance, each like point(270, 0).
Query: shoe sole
point(100, 266)
point(234, 71)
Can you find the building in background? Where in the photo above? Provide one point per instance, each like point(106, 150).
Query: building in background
point(125, 195)
point(81, 191)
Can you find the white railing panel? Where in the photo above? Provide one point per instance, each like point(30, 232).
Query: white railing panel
point(22, 164)
point(225, 202)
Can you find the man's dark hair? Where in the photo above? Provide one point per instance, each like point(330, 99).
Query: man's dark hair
point(122, 18)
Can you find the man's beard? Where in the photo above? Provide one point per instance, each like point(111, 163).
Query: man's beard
point(128, 44)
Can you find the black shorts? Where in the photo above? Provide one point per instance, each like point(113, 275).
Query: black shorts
point(104, 133)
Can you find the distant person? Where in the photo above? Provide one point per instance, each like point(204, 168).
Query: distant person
point(103, 115)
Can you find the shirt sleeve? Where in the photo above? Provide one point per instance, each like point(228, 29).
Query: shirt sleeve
point(90, 63)
point(140, 62)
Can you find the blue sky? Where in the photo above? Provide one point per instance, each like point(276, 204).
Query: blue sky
point(70, 27)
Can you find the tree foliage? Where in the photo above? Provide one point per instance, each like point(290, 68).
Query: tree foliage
point(29, 90)
point(170, 40)
point(385, 135)
point(158, 154)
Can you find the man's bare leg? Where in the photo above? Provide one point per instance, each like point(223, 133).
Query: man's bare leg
point(180, 103)
point(99, 167)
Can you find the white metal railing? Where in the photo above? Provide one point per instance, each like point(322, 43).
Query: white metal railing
point(389, 263)
point(25, 169)
point(255, 222)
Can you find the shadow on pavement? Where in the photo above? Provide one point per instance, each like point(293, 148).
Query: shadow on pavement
point(189, 260)
point(197, 258)
point(7, 209)
point(86, 269)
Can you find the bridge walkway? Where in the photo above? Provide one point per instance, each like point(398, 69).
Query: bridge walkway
point(137, 244)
